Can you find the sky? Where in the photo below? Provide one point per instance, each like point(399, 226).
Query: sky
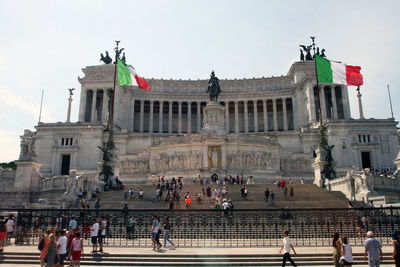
point(45, 44)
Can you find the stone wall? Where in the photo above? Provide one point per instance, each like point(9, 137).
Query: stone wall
point(7, 178)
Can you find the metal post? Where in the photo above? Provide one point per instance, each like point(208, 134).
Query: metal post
point(390, 101)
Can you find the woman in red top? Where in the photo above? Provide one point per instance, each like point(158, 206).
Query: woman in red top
point(43, 253)
point(77, 250)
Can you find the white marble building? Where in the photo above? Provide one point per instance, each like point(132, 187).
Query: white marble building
point(268, 128)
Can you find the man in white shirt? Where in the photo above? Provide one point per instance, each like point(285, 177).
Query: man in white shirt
point(102, 235)
point(61, 249)
point(94, 232)
point(286, 246)
point(10, 225)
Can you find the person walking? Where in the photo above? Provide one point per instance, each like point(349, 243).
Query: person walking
point(337, 252)
point(374, 249)
point(396, 248)
point(347, 253)
point(51, 251)
point(61, 249)
point(102, 233)
point(286, 246)
point(94, 232)
point(45, 239)
point(77, 250)
point(154, 231)
point(272, 198)
point(266, 196)
point(167, 230)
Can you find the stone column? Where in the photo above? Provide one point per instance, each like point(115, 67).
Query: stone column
point(275, 114)
point(227, 116)
point(82, 105)
point(345, 100)
point(246, 117)
point(265, 114)
point(170, 117)
point(151, 116)
point(334, 104)
point(141, 115)
point(295, 114)
point(285, 120)
point(313, 110)
point(236, 117)
point(104, 112)
point(189, 117)
point(255, 116)
point(132, 116)
point(323, 105)
point(360, 107)
point(93, 115)
point(160, 117)
point(198, 117)
point(180, 117)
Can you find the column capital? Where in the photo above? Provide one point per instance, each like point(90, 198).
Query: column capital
point(151, 102)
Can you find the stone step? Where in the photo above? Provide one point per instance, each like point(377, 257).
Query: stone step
point(183, 260)
point(305, 196)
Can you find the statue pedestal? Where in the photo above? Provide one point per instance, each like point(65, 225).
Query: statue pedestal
point(27, 176)
point(214, 137)
point(214, 119)
point(319, 165)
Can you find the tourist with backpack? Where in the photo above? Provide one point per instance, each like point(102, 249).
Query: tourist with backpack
point(42, 247)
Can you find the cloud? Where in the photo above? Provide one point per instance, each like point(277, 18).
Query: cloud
point(9, 146)
point(13, 101)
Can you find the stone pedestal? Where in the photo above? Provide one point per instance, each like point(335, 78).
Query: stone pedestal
point(214, 137)
point(27, 176)
point(214, 119)
point(318, 166)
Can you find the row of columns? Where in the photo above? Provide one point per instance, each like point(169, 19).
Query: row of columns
point(324, 108)
point(104, 106)
point(198, 106)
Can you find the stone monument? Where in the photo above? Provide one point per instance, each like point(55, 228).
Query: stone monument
point(27, 176)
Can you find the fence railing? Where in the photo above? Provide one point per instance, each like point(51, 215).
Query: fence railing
point(216, 228)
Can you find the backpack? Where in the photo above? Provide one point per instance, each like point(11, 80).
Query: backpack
point(41, 244)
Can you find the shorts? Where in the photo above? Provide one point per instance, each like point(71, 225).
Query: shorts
point(140, 196)
point(2, 235)
point(76, 255)
point(154, 235)
point(94, 239)
point(346, 262)
point(101, 238)
point(61, 260)
point(373, 263)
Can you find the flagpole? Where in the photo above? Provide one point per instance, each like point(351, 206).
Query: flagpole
point(41, 103)
point(390, 101)
point(111, 118)
point(318, 91)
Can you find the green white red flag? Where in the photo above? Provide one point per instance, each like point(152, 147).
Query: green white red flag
point(338, 73)
point(127, 75)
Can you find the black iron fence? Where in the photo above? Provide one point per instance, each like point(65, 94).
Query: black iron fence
point(215, 228)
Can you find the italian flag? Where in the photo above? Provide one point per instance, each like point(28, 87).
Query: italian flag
point(333, 72)
point(127, 75)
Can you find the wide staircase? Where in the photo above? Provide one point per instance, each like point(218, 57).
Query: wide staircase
point(305, 196)
point(163, 259)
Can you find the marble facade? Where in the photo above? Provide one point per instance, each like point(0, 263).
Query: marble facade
point(263, 127)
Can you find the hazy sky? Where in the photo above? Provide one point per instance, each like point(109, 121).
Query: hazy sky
point(44, 45)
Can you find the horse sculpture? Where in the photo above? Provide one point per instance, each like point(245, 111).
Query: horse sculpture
point(213, 87)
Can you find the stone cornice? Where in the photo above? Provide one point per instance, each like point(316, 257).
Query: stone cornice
point(71, 126)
